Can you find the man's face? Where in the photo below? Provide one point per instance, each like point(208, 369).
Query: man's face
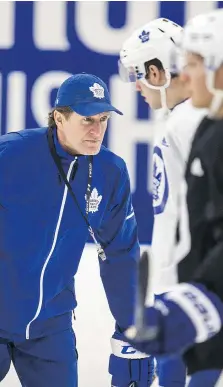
point(195, 71)
point(155, 77)
point(152, 97)
point(83, 135)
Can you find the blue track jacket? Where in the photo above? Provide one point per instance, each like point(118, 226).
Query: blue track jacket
point(42, 233)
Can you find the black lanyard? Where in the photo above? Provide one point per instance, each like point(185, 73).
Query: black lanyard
point(57, 161)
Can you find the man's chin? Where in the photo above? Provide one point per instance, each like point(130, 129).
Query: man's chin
point(92, 150)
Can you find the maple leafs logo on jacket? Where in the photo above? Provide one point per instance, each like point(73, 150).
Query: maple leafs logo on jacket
point(94, 200)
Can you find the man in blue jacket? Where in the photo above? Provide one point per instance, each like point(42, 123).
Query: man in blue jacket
point(58, 186)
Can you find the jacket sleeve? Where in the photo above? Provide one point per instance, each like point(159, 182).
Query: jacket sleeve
point(118, 271)
point(168, 168)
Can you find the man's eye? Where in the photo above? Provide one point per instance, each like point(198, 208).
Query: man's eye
point(105, 118)
point(88, 120)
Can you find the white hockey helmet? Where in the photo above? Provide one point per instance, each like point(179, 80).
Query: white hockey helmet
point(203, 35)
point(154, 40)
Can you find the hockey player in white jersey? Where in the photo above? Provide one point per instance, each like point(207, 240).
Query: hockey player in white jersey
point(145, 59)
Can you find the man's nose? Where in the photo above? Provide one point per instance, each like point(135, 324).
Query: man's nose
point(96, 129)
point(138, 86)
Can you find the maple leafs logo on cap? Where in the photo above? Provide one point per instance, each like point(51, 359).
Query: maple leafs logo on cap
point(97, 90)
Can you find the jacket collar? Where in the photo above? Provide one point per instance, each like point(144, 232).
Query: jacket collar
point(59, 149)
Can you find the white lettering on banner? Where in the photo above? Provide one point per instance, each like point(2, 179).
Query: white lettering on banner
point(50, 22)
point(94, 31)
point(16, 101)
point(7, 24)
point(126, 131)
point(41, 91)
point(49, 25)
point(194, 8)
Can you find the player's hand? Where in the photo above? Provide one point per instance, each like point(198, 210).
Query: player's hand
point(131, 372)
point(188, 314)
point(129, 367)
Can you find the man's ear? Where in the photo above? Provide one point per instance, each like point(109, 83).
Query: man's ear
point(58, 118)
point(183, 77)
point(155, 76)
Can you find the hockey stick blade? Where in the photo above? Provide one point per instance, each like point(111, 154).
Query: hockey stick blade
point(140, 331)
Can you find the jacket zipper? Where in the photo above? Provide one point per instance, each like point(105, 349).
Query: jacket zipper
point(51, 251)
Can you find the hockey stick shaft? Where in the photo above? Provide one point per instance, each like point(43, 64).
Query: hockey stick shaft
point(142, 331)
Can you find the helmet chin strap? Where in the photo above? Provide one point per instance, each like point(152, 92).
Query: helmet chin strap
point(162, 89)
point(217, 99)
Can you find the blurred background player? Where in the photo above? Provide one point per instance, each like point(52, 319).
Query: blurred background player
point(145, 59)
point(202, 45)
point(193, 310)
point(62, 187)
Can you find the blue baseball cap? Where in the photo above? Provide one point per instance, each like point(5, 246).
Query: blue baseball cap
point(85, 94)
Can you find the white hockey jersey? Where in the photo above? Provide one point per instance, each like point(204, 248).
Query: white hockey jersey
point(171, 152)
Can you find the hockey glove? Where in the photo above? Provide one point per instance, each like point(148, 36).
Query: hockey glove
point(188, 314)
point(129, 367)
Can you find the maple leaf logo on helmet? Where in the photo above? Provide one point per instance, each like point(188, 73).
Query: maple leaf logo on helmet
point(144, 36)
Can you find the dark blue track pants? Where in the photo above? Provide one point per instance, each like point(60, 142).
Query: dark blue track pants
point(44, 362)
